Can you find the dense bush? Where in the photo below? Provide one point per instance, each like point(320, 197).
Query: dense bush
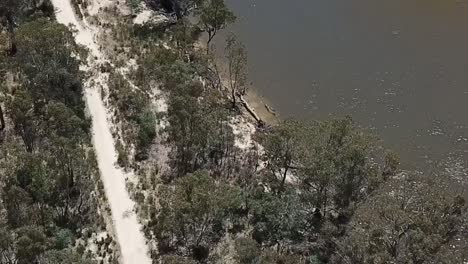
point(47, 170)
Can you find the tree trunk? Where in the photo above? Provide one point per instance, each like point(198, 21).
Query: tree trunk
point(325, 204)
point(2, 119)
point(251, 111)
point(234, 101)
point(11, 34)
point(28, 138)
point(285, 176)
point(211, 35)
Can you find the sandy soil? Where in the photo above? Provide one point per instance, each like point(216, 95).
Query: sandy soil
point(134, 249)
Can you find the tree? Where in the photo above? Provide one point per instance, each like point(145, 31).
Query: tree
point(274, 257)
point(7, 254)
point(21, 111)
point(2, 92)
point(17, 203)
point(147, 129)
point(247, 251)
point(193, 215)
point(336, 165)
point(49, 71)
point(184, 35)
point(278, 220)
point(331, 159)
point(237, 67)
point(332, 167)
point(9, 9)
point(3, 69)
point(30, 245)
point(282, 147)
point(214, 16)
point(66, 256)
point(170, 259)
point(13, 10)
point(2, 120)
point(198, 128)
point(47, 182)
point(347, 151)
point(392, 164)
point(408, 221)
point(49, 67)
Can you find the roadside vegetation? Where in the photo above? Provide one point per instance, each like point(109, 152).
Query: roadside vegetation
point(49, 181)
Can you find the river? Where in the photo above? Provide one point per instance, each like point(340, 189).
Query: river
point(398, 67)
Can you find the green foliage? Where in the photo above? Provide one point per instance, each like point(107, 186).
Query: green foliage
point(236, 56)
point(198, 117)
point(130, 103)
point(214, 16)
point(327, 193)
point(334, 161)
point(198, 129)
point(46, 57)
point(14, 11)
point(30, 244)
point(392, 164)
point(184, 35)
point(277, 220)
point(273, 257)
point(63, 239)
point(134, 109)
point(134, 5)
point(168, 259)
point(48, 169)
point(408, 221)
point(283, 148)
point(194, 214)
point(164, 66)
point(122, 156)
point(66, 256)
point(147, 128)
point(300, 208)
point(247, 251)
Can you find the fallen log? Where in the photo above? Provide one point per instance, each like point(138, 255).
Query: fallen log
point(251, 111)
point(270, 109)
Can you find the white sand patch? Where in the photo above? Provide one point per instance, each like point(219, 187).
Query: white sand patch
point(149, 16)
point(128, 230)
point(91, 245)
point(161, 102)
point(243, 132)
point(132, 65)
point(143, 17)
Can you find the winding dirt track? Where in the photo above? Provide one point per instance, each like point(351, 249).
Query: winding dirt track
point(127, 228)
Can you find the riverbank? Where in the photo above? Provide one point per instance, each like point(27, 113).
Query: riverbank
point(402, 75)
point(262, 107)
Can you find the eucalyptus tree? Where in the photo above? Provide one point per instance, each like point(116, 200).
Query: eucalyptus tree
point(194, 214)
point(283, 145)
point(335, 163)
point(12, 11)
point(412, 219)
point(48, 168)
point(213, 16)
point(9, 10)
point(236, 56)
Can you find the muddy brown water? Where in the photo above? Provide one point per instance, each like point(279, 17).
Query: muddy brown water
point(398, 67)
